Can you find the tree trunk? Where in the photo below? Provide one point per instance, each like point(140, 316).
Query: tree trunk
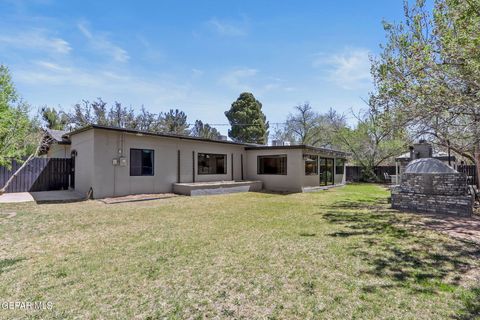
point(4, 188)
point(42, 141)
point(477, 165)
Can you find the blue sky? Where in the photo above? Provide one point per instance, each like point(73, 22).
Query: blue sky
point(194, 55)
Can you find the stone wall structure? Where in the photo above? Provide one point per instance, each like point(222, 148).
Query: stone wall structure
point(428, 185)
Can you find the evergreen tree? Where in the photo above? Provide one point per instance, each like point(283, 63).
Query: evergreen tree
point(247, 120)
point(53, 119)
point(173, 121)
point(205, 131)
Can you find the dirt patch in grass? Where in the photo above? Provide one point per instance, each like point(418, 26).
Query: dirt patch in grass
point(7, 215)
point(463, 228)
point(137, 198)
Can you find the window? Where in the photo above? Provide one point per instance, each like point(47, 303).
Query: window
point(326, 171)
point(276, 164)
point(141, 162)
point(339, 166)
point(209, 163)
point(311, 164)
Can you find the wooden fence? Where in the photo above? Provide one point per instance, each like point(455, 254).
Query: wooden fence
point(470, 171)
point(354, 173)
point(40, 174)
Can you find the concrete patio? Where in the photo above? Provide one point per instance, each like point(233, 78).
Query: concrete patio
point(216, 187)
point(42, 196)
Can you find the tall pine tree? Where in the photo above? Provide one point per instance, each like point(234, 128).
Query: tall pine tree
point(248, 122)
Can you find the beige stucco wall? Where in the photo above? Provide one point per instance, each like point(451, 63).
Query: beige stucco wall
point(58, 151)
point(96, 149)
point(295, 180)
point(109, 180)
point(314, 180)
point(340, 178)
point(83, 143)
point(292, 181)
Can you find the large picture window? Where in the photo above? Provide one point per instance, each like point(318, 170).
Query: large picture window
point(276, 164)
point(311, 164)
point(339, 166)
point(141, 162)
point(209, 163)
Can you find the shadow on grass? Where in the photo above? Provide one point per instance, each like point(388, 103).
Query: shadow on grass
point(471, 308)
point(5, 264)
point(411, 259)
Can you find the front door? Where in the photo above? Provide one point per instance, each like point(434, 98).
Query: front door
point(326, 171)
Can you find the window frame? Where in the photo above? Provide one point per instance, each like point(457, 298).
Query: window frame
point(327, 171)
point(153, 163)
point(344, 161)
point(316, 166)
point(225, 166)
point(259, 157)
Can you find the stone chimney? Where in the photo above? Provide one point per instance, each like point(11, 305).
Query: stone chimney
point(422, 149)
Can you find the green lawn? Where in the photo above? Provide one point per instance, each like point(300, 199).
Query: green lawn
point(333, 254)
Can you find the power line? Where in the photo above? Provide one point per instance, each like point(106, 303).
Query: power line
point(241, 124)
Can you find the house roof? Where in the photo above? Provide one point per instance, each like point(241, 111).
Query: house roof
point(300, 146)
point(146, 133)
point(57, 135)
point(248, 146)
point(440, 155)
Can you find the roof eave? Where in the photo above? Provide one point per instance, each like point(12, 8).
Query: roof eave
point(163, 135)
point(300, 146)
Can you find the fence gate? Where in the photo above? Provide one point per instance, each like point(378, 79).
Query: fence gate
point(40, 174)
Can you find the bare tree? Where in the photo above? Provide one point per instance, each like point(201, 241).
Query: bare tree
point(306, 126)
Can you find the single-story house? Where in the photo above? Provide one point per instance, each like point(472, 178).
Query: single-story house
point(56, 144)
point(111, 161)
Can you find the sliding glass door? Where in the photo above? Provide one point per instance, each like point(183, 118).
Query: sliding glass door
point(326, 171)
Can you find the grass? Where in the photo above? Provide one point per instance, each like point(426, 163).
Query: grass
point(333, 254)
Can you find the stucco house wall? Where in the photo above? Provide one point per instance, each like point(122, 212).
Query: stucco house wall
point(291, 182)
point(109, 180)
point(295, 180)
point(176, 160)
point(314, 179)
point(57, 150)
point(83, 144)
point(340, 178)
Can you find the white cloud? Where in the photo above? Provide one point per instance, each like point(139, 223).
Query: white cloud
point(107, 83)
point(36, 39)
point(100, 43)
point(239, 79)
point(349, 69)
point(53, 66)
point(249, 79)
point(225, 28)
point(197, 73)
